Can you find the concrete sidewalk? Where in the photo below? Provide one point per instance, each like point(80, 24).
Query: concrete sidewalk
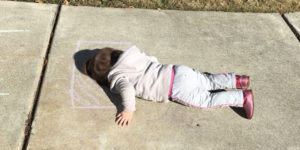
point(24, 36)
point(75, 113)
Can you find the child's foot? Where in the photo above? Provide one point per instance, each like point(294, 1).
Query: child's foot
point(242, 82)
point(248, 103)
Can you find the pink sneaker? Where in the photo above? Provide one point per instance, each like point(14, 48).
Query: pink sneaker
point(248, 103)
point(242, 82)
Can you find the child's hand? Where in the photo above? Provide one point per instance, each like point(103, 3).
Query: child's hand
point(124, 118)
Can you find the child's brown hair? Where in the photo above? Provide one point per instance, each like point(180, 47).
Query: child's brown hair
point(99, 65)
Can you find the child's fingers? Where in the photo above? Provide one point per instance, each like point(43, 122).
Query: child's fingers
point(129, 121)
point(118, 119)
point(124, 123)
point(121, 122)
point(119, 115)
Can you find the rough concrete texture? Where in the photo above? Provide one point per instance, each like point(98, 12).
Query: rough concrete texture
point(294, 19)
point(24, 34)
point(259, 45)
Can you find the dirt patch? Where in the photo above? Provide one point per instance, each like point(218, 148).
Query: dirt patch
point(28, 125)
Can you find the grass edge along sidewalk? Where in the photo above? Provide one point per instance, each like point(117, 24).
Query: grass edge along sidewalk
point(257, 6)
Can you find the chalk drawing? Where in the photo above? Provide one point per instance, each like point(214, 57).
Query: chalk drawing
point(82, 91)
point(4, 94)
point(8, 31)
point(90, 93)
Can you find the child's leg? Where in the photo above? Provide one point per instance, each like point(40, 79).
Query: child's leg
point(217, 81)
point(191, 87)
point(193, 78)
point(205, 99)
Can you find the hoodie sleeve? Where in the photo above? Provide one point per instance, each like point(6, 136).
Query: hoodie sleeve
point(127, 92)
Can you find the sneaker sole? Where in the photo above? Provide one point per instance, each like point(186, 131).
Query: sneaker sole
point(252, 104)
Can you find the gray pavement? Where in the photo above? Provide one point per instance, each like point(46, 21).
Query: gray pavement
point(73, 112)
point(24, 34)
point(294, 19)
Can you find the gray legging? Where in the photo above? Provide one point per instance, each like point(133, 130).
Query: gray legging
point(192, 88)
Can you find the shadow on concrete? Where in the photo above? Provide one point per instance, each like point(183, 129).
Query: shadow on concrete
point(240, 111)
point(114, 98)
point(80, 58)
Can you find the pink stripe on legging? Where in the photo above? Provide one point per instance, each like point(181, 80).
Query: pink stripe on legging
point(186, 103)
point(171, 83)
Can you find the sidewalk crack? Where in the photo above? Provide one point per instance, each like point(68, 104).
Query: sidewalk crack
point(291, 26)
point(31, 114)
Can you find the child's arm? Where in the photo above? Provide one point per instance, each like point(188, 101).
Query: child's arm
point(127, 92)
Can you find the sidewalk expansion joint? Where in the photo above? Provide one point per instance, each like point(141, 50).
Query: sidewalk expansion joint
point(291, 27)
point(31, 114)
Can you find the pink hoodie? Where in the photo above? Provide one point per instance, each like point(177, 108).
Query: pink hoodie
point(136, 74)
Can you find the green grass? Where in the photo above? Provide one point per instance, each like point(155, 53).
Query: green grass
point(206, 5)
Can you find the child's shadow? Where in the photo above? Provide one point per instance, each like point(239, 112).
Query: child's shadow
point(80, 58)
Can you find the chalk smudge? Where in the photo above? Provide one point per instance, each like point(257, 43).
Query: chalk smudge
point(4, 94)
point(9, 31)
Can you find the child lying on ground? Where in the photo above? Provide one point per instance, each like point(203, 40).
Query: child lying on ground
point(132, 73)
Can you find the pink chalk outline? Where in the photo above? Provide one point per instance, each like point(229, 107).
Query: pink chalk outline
point(73, 74)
